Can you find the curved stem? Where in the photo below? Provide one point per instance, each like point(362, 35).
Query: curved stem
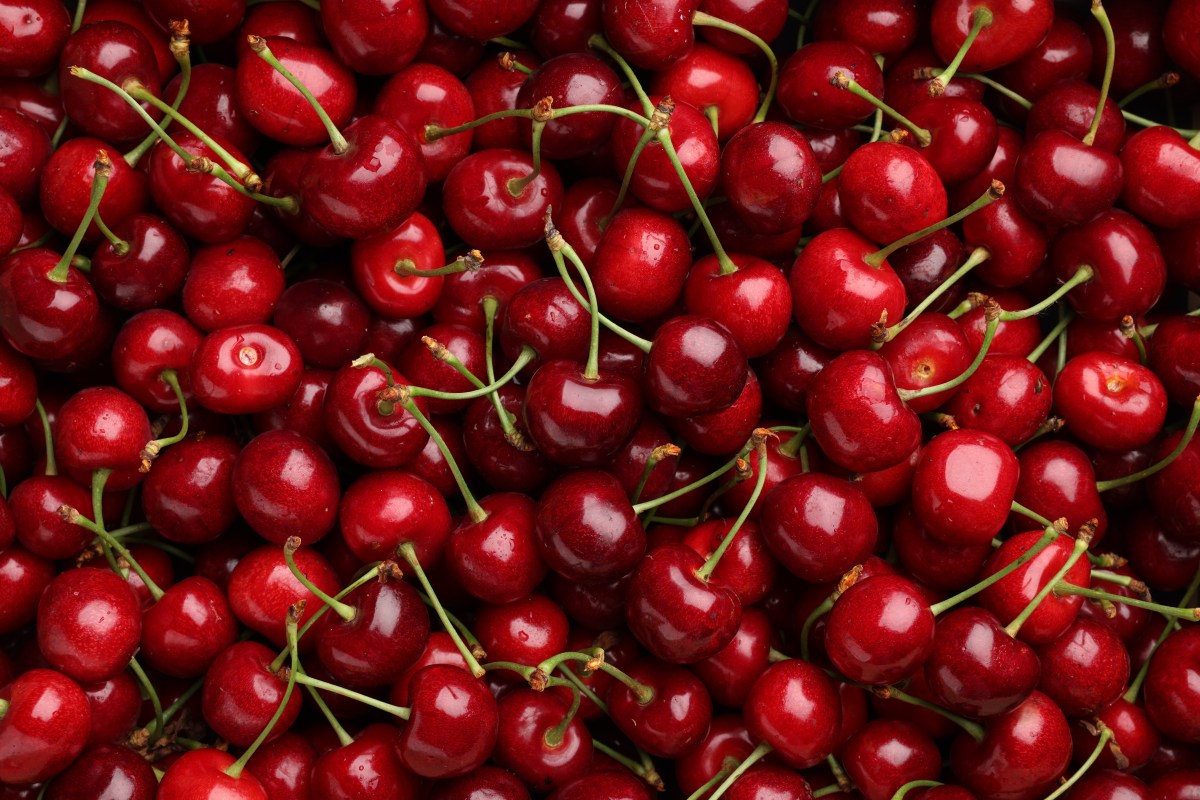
point(994, 192)
point(234, 770)
point(636, 341)
point(1082, 275)
point(367, 700)
point(598, 42)
point(432, 133)
point(343, 610)
point(154, 447)
point(1106, 735)
point(475, 511)
point(756, 755)
point(842, 81)
point(518, 185)
point(47, 439)
point(727, 266)
point(1184, 441)
point(119, 246)
point(1000, 88)
point(656, 457)
point(806, 630)
point(102, 169)
point(595, 661)
point(338, 731)
point(1051, 533)
point(1164, 81)
point(703, 19)
point(1189, 597)
point(527, 354)
point(1189, 614)
point(977, 257)
point(627, 178)
point(467, 262)
point(759, 440)
point(1051, 337)
point(554, 736)
point(1029, 513)
point(409, 554)
point(507, 421)
point(981, 17)
point(908, 787)
point(973, 729)
point(1110, 59)
point(260, 48)
point(238, 169)
point(728, 766)
point(557, 245)
point(641, 508)
point(993, 322)
point(1081, 544)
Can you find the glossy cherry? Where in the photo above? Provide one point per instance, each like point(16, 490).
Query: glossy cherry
point(453, 725)
point(44, 727)
point(794, 707)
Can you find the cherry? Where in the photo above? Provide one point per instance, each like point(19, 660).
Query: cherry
point(585, 528)
point(788, 370)
point(889, 28)
point(1170, 697)
point(425, 367)
point(818, 526)
point(888, 191)
point(328, 322)
point(150, 272)
point(485, 782)
point(640, 264)
point(66, 185)
point(424, 94)
point(879, 631)
point(1062, 181)
point(23, 577)
point(857, 416)
point(1015, 241)
point(695, 366)
point(368, 429)
point(525, 631)
point(120, 53)
point(233, 283)
point(375, 38)
point(672, 717)
point(284, 765)
point(544, 315)
point(188, 495)
point(481, 206)
point(963, 486)
point(502, 275)
point(678, 614)
point(806, 93)
point(384, 509)
point(105, 768)
point(43, 316)
point(764, 18)
point(89, 624)
point(1173, 491)
point(1180, 47)
point(495, 88)
point(1070, 106)
point(1011, 594)
point(245, 369)
point(1022, 753)
point(577, 420)
point(572, 79)
point(374, 259)
point(771, 152)
point(453, 725)
point(746, 566)
point(928, 351)
point(715, 82)
point(24, 150)
point(731, 672)
point(794, 708)
point(284, 485)
point(44, 727)
point(261, 588)
point(200, 775)
point(1140, 55)
point(187, 628)
point(366, 767)
point(1007, 396)
point(1057, 479)
point(34, 503)
point(656, 37)
point(1065, 54)
point(1085, 668)
point(19, 383)
point(1110, 402)
point(496, 559)
point(884, 755)
point(1015, 28)
point(241, 693)
point(505, 465)
point(655, 180)
point(536, 745)
point(199, 204)
point(976, 668)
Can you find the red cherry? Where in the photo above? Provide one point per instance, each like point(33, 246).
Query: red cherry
point(581, 544)
point(772, 177)
point(187, 628)
point(524, 746)
point(385, 509)
point(695, 366)
point(1023, 753)
point(200, 775)
point(198, 204)
point(424, 94)
point(453, 724)
point(888, 191)
point(388, 632)
point(976, 668)
point(480, 206)
point(806, 92)
point(241, 693)
point(66, 186)
point(328, 321)
point(884, 755)
point(1011, 594)
point(120, 53)
point(640, 265)
point(375, 38)
point(1062, 181)
point(150, 273)
point(44, 728)
point(963, 486)
point(652, 38)
point(674, 718)
point(1084, 669)
point(245, 369)
point(794, 707)
point(572, 79)
point(284, 485)
point(879, 631)
point(262, 588)
point(1016, 28)
point(818, 526)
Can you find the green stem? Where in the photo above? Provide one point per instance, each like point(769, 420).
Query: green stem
point(842, 81)
point(260, 48)
point(527, 354)
point(1164, 81)
point(703, 19)
point(518, 185)
point(409, 554)
point(507, 421)
point(981, 17)
point(806, 630)
point(119, 246)
point(1029, 513)
point(727, 265)
point(338, 731)
point(77, 20)
point(760, 448)
point(1189, 597)
point(756, 755)
point(656, 457)
point(234, 770)
point(1110, 59)
point(153, 448)
point(1184, 441)
point(1149, 123)
point(977, 257)
point(1082, 275)
point(152, 695)
point(992, 315)
point(181, 38)
point(102, 169)
point(1106, 735)
point(1129, 330)
point(908, 787)
point(641, 508)
point(475, 511)
point(467, 262)
point(1061, 588)
point(554, 737)
point(1081, 544)
point(368, 576)
point(1000, 88)
point(598, 42)
point(973, 729)
point(994, 192)
point(573, 257)
point(367, 700)
point(721, 775)
point(48, 439)
point(595, 660)
point(343, 610)
point(627, 178)
point(1050, 338)
point(557, 245)
point(73, 516)
point(469, 638)
point(1051, 533)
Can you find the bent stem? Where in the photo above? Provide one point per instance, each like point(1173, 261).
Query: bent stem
point(658, 120)
point(756, 755)
point(1110, 57)
point(1082, 275)
point(73, 516)
point(992, 315)
point(1062, 588)
point(343, 610)
point(526, 355)
point(597, 42)
point(1051, 337)
point(118, 245)
point(1189, 597)
point(508, 422)
point(708, 20)
point(259, 46)
point(993, 193)
point(316, 683)
point(467, 262)
point(541, 115)
point(843, 81)
point(1081, 544)
point(1164, 81)
point(759, 442)
point(409, 554)
point(554, 737)
point(573, 257)
point(181, 38)
point(648, 505)
point(656, 457)
point(475, 511)
point(908, 787)
point(154, 447)
point(557, 244)
point(595, 661)
point(148, 688)
point(973, 729)
point(1051, 533)
point(1106, 736)
point(338, 731)
point(727, 266)
point(977, 257)
point(981, 17)
point(47, 439)
point(234, 770)
point(102, 169)
point(1188, 433)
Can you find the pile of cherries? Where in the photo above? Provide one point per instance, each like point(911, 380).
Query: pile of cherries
point(479, 400)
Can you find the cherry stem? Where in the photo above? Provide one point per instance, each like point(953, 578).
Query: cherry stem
point(727, 766)
point(1194, 142)
point(597, 42)
point(756, 755)
point(508, 422)
point(238, 169)
point(102, 168)
point(554, 737)
point(656, 457)
point(1129, 330)
point(839, 774)
point(432, 133)
point(568, 251)
point(541, 114)
point(594, 659)
point(180, 47)
point(644, 770)
point(1110, 59)
point(826, 178)
point(387, 399)
point(259, 45)
point(658, 120)
point(73, 516)
point(792, 447)
point(994, 192)
point(981, 18)
point(844, 583)
point(1082, 275)
point(475, 511)
point(1128, 581)
point(409, 554)
point(343, 737)
point(908, 787)
point(333, 688)
point(583, 687)
point(704, 19)
point(48, 439)
point(759, 441)
point(467, 262)
point(727, 265)
point(1106, 736)
point(1188, 433)
point(343, 610)
point(1051, 533)
point(119, 246)
point(827, 790)
point(1050, 338)
point(557, 245)
point(1051, 425)
point(527, 354)
point(151, 695)
point(992, 315)
point(973, 729)
point(648, 505)
point(168, 713)
point(365, 578)
point(1081, 545)
point(1172, 625)
point(1000, 88)
point(154, 447)
point(3, 484)
point(1164, 81)
point(191, 162)
point(1029, 513)
point(508, 62)
point(234, 770)
point(843, 81)
point(977, 257)
point(1062, 588)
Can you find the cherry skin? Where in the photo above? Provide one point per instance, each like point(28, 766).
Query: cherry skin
point(1016, 242)
point(151, 272)
point(66, 186)
point(38, 32)
point(1016, 29)
point(502, 275)
point(545, 316)
point(678, 616)
point(731, 672)
point(212, 97)
point(524, 747)
point(120, 53)
point(1170, 699)
point(494, 88)
point(328, 322)
point(496, 559)
point(356, 419)
point(389, 631)
point(24, 151)
point(640, 265)
point(576, 420)
point(772, 177)
point(1057, 479)
point(504, 465)
point(858, 386)
point(384, 509)
point(89, 624)
point(794, 707)
point(963, 136)
point(676, 716)
point(147, 344)
point(245, 369)
point(1085, 668)
point(1071, 106)
point(714, 81)
point(818, 526)
point(884, 755)
point(19, 384)
point(284, 485)
point(453, 724)
point(34, 503)
point(261, 588)
point(23, 578)
point(963, 486)
point(366, 768)
point(480, 206)
point(572, 79)
point(41, 317)
point(753, 303)
point(284, 765)
point(485, 782)
point(695, 366)
point(373, 261)
point(233, 283)
point(102, 769)
point(655, 181)
point(888, 191)
point(200, 775)
point(188, 495)
point(375, 38)
point(928, 351)
point(1179, 45)
point(652, 38)
point(1023, 752)
point(187, 628)
point(424, 94)
point(879, 631)
point(1173, 358)
point(746, 567)
point(806, 92)
point(200, 205)
point(241, 694)
point(1007, 396)
point(579, 543)
point(878, 27)
point(1062, 181)
point(1110, 402)
point(1011, 594)
point(44, 728)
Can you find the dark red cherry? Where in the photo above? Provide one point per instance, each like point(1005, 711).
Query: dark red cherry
point(818, 526)
point(888, 191)
point(187, 628)
point(502, 275)
point(198, 204)
point(100, 428)
point(928, 351)
point(695, 366)
point(328, 322)
point(1062, 181)
point(1070, 105)
point(284, 485)
point(120, 53)
point(233, 283)
point(1172, 356)
point(424, 94)
point(24, 150)
point(373, 261)
point(89, 624)
point(883, 27)
point(714, 81)
point(1007, 396)
point(44, 727)
point(674, 718)
point(1171, 698)
point(37, 33)
point(485, 783)
point(806, 92)
point(885, 754)
point(66, 187)
point(105, 769)
point(573, 79)
point(150, 273)
point(212, 97)
point(525, 747)
point(794, 707)
point(188, 495)
point(367, 768)
point(879, 631)
point(504, 464)
point(42, 317)
point(241, 693)
point(496, 559)
point(34, 503)
point(494, 88)
point(389, 631)
point(1110, 402)
point(586, 529)
point(1057, 479)
point(245, 369)
point(453, 724)
point(651, 38)
point(655, 181)
point(1011, 594)
point(1084, 669)
point(384, 509)
point(1016, 28)
point(771, 176)
point(359, 425)
point(576, 420)
point(730, 673)
point(640, 265)
point(1023, 753)
point(375, 38)
point(479, 203)
point(976, 668)
point(261, 588)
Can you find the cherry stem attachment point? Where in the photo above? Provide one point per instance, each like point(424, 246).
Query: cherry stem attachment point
point(843, 81)
point(992, 315)
point(101, 171)
point(467, 262)
point(343, 610)
point(1052, 532)
point(759, 442)
point(656, 457)
point(259, 46)
point(1081, 545)
point(119, 246)
point(708, 20)
point(154, 447)
point(973, 729)
point(908, 787)
point(1082, 275)
point(388, 708)
point(994, 192)
point(981, 18)
point(558, 246)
